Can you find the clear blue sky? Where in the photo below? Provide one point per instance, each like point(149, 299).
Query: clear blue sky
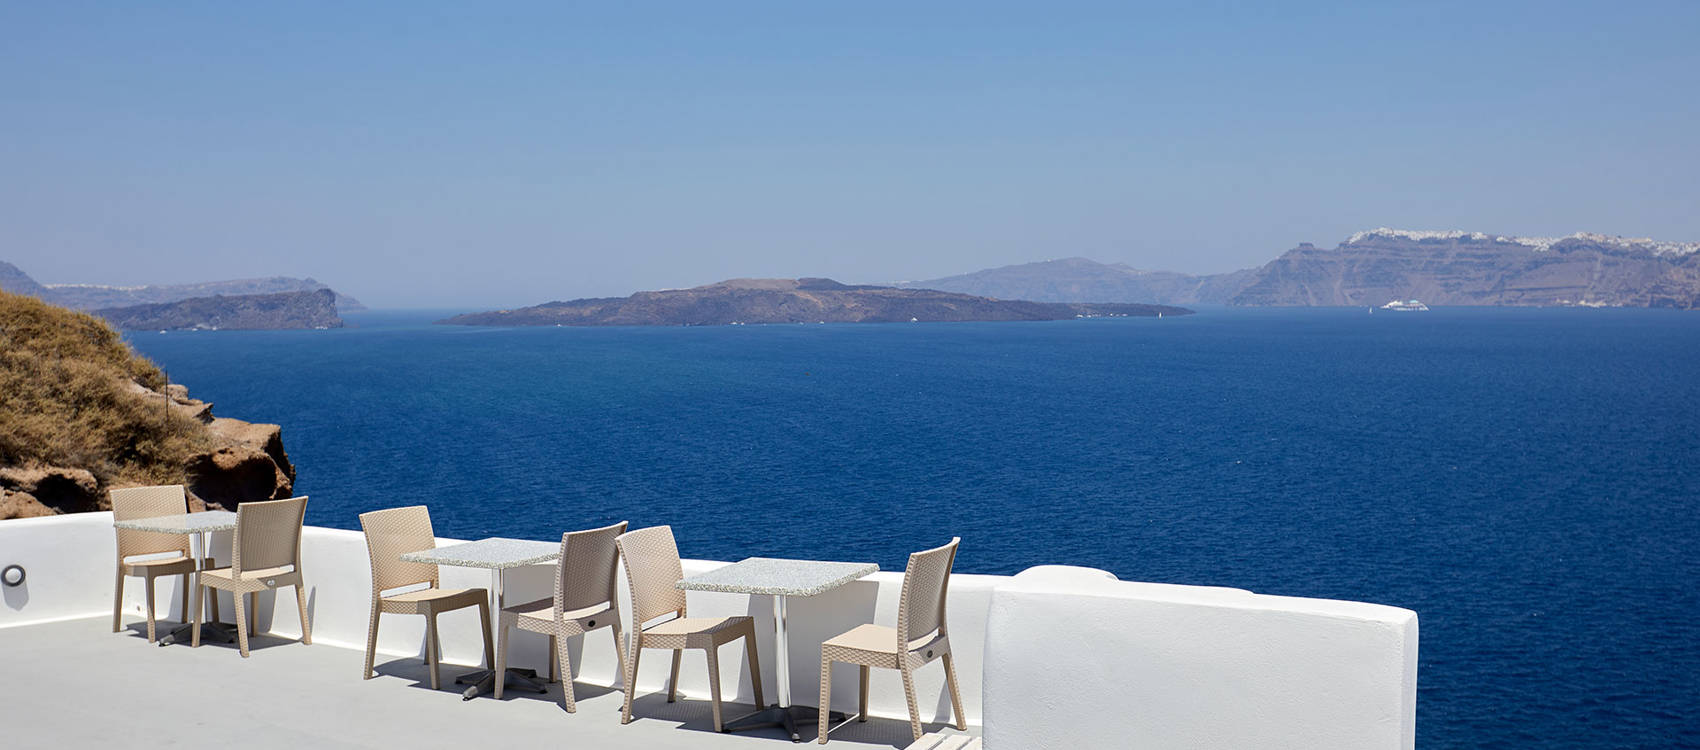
point(472, 154)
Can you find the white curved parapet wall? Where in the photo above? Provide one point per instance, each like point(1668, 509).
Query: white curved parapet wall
point(1065, 657)
point(1078, 659)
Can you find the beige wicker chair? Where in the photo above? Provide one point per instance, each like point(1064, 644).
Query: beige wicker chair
point(170, 554)
point(266, 555)
point(586, 581)
point(389, 535)
point(653, 572)
point(920, 637)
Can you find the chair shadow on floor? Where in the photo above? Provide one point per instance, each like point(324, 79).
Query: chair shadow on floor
point(164, 627)
point(256, 641)
point(695, 715)
point(415, 670)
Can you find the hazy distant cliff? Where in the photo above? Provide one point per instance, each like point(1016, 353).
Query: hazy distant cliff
point(1083, 280)
point(1471, 268)
point(315, 309)
point(793, 301)
point(102, 296)
point(1373, 267)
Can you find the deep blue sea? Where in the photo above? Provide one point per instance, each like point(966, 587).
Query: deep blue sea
point(1525, 479)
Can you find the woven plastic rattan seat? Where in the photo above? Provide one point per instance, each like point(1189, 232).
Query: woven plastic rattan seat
point(653, 571)
point(132, 503)
point(921, 636)
point(389, 535)
point(585, 586)
point(266, 555)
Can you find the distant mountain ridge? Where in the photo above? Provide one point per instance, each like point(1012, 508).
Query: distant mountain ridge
point(1084, 280)
point(1378, 265)
point(805, 300)
point(99, 296)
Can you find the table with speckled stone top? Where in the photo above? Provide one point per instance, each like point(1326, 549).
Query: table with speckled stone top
point(497, 554)
point(199, 528)
point(778, 578)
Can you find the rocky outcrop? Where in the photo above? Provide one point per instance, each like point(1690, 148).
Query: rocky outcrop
point(285, 310)
point(247, 462)
point(1083, 280)
point(80, 415)
point(49, 490)
point(752, 301)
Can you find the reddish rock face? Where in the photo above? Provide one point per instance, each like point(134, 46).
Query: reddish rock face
point(21, 505)
point(50, 490)
point(236, 474)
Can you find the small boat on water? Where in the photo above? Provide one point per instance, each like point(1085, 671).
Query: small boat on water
point(1407, 305)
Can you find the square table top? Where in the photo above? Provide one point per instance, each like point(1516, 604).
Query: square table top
point(496, 553)
point(182, 523)
point(778, 577)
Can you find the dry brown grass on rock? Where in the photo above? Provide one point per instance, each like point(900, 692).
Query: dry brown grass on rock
point(30, 325)
point(64, 400)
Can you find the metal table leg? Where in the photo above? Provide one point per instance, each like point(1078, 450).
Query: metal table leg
point(485, 679)
point(199, 543)
point(782, 714)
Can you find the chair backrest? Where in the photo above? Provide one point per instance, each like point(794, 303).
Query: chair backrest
point(926, 581)
point(268, 534)
point(588, 571)
point(652, 573)
point(393, 533)
point(131, 503)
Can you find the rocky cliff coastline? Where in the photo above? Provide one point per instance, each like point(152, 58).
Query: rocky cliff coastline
point(755, 301)
point(284, 310)
point(81, 414)
point(1375, 266)
point(1472, 268)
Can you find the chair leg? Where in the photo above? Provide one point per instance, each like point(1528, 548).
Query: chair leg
point(713, 684)
point(501, 668)
point(862, 701)
point(241, 603)
point(631, 676)
point(212, 595)
point(673, 677)
point(619, 652)
point(301, 606)
point(909, 693)
point(187, 579)
point(554, 646)
point(253, 612)
point(955, 694)
point(118, 598)
point(825, 696)
point(484, 622)
point(431, 646)
point(195, 627)
point(147, 586)
point(755, 665)
point(564, 662)
point(372, 640)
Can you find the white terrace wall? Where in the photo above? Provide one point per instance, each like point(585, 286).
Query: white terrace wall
point(1085, 660)
point(1076, 658)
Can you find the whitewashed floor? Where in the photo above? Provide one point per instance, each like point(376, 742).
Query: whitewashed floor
point(77, 684)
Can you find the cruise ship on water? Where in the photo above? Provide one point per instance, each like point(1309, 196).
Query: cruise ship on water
point(1407, 305)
